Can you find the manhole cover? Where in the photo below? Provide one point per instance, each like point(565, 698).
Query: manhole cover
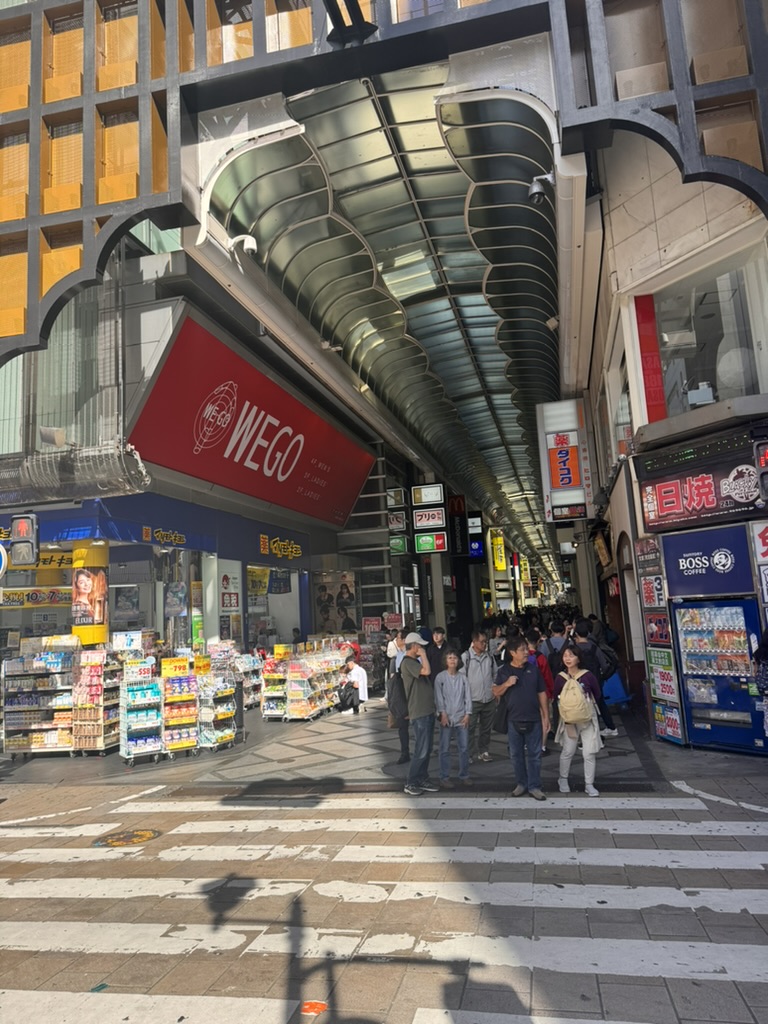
point(131, 837)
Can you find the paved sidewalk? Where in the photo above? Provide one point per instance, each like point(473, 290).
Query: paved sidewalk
point(336, 753)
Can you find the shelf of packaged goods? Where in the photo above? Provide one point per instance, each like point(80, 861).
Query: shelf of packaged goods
point(177, 698)
point(223, 693)
point(9, 708)
point(143, 726)
point(111, 703)
point(181, 745)
point(187, 720)
point(222, 715)
point(38, 726)
point(140, 751)
point(142, 704)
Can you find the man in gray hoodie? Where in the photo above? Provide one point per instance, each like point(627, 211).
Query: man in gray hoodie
point(481, 670)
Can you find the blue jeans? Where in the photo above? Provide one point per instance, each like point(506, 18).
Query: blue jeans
point(423, 730)
point(462, 742)
point(525, 754)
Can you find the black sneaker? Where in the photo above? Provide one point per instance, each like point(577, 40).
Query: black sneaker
point(429, 786)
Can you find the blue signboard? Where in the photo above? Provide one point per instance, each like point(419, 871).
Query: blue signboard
point(708, 563)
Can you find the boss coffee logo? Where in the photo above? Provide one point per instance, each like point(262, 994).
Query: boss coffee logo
point(698, 564)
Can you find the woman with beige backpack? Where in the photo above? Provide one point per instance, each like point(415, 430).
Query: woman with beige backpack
point(577, 692)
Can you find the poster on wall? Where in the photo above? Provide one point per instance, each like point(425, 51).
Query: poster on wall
point(230, 600)
point(126, 604)
point(657, 629)
point(336, 603)
point(175, 600)
point(89, 596)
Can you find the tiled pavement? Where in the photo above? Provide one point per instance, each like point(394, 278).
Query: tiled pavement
point(292, 880)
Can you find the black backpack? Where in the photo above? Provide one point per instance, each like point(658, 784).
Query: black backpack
point(601, 659)
point(554, 657)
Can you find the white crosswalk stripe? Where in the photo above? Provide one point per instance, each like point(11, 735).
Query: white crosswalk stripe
point(253, 904)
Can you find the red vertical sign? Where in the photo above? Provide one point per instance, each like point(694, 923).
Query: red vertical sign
point(653, 376)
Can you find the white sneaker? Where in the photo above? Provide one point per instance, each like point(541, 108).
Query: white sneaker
point(349, 711)
point(563, 786)
point(591, 791)
point(608, 733)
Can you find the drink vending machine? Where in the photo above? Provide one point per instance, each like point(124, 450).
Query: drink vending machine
point(715, 635)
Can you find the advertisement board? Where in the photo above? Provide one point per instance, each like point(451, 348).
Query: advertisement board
point(701, 496)
point(661, 675)
point(215, 417)
point(667, 722)
point(708, 562)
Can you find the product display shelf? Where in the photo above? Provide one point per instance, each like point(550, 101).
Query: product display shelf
point(248, 667)
point(306, 697)
point(37, 699)
point(96, 703)
point(274, 689)
point(713, 642)
point(180, 715)
point(217, 710)
point(141, 711)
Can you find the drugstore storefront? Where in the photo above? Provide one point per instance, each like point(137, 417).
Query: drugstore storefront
point(191, 575)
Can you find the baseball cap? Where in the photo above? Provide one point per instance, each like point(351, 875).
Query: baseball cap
point(414, 638)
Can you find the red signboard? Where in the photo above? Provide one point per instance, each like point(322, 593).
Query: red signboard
point(564, 467)
point(653, 376)
point(215, 417)
point(701, 496)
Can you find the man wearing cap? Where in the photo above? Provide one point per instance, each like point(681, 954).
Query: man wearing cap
point(435, 652)
point(420, 695)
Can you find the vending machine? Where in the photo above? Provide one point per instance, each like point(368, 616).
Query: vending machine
point(715, 635)
point(715, 641)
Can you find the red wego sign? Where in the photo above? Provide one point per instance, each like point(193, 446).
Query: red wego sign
point(215, 417)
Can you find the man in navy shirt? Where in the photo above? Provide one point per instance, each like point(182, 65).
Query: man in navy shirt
point(521, 686)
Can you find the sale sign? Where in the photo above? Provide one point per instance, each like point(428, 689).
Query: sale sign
point(667, 722)
point(661, 673)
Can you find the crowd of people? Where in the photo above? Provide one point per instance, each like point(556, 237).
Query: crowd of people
point(536, 686)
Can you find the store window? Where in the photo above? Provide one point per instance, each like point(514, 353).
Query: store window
point(273, 606)
point(711, 331)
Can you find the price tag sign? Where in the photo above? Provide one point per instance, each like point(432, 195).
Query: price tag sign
point(202, 664)
point(174, 668)
point(661, 671)
point(138, 671)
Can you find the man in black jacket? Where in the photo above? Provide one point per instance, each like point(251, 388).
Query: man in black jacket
point(436, 649)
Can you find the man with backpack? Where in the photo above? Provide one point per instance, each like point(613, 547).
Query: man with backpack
point(552, 646)
point(602, 663)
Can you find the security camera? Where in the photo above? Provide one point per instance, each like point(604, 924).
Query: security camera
point(536, 191)
point(248, 243)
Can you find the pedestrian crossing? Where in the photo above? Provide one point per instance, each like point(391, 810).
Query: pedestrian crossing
point(345, 902)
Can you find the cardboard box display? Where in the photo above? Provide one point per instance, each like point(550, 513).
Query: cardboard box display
point(719, 65)
point(642, 81)
point(739, 141)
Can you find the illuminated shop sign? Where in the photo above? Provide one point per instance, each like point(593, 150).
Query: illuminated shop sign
point(727, 491)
